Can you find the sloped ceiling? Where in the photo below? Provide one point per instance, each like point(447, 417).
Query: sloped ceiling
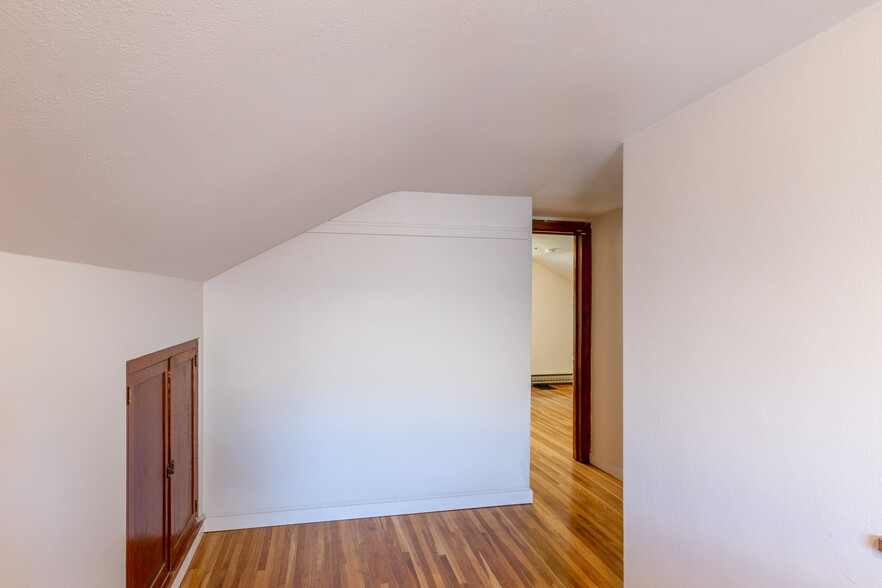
point(182, 138)
point(555, 253)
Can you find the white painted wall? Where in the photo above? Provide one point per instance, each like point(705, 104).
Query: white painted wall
point(66, 332)
point(552, 320)
point(377, 364)
point(606, 343)
point(753, 330)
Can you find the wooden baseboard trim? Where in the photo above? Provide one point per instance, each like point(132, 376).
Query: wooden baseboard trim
point(361, 511)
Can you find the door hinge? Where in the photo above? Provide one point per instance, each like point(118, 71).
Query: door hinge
point(128, 395)
point(168, 375)
point(170, 469)
point(195, 361)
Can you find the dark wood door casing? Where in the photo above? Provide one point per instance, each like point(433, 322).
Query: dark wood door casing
point(581, 232)
point(161, 484)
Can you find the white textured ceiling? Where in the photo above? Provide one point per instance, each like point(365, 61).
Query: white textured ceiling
point(182, 138)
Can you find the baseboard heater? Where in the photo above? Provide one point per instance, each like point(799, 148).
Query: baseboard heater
point(552, 379)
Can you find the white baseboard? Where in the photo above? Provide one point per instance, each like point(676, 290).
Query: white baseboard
point(361, 511)
point(607, 466)
point(185, 565)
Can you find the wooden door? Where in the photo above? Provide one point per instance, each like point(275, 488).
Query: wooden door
point(182, 443)
point(146, 529)
point(161, 469)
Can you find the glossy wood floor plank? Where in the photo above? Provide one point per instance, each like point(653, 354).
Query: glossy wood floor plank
point(570, 536)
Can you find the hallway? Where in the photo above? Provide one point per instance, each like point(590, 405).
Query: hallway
point(570, 536)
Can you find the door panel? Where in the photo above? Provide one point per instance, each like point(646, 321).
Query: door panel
point(146, 548)
point(182, 443)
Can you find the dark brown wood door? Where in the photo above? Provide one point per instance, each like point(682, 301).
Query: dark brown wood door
point(183, 451)
point(146, 546)
point(161, 469)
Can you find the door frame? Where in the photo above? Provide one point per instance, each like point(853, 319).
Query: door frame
point(581, 233)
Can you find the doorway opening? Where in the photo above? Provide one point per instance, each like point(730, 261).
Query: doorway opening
point(562, 319)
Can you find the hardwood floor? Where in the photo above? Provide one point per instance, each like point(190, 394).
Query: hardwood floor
point(570, 536)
